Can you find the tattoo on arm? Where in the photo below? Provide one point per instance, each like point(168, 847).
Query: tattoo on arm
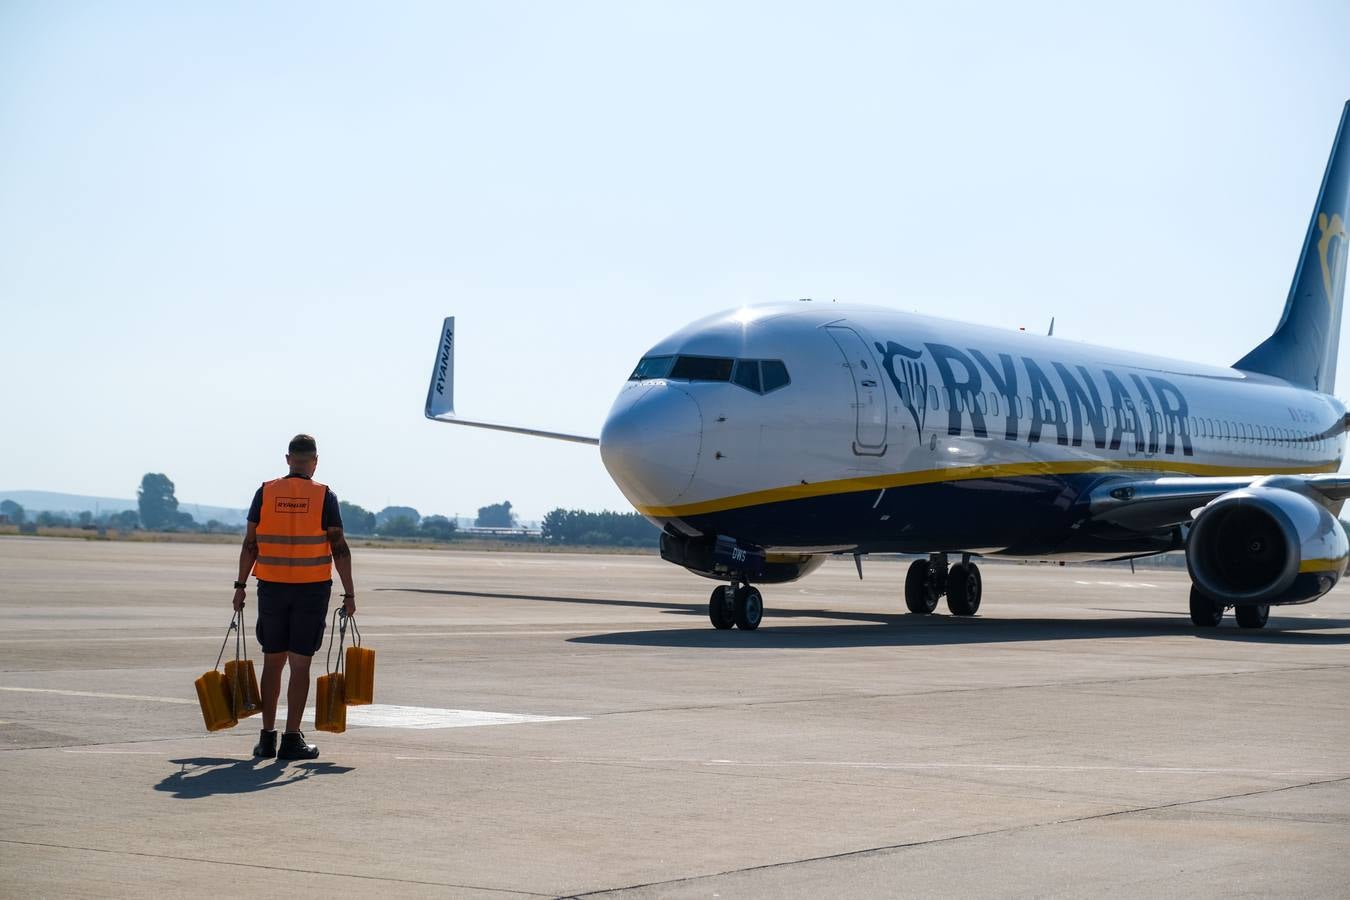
point(251, 545)
point(338, 542)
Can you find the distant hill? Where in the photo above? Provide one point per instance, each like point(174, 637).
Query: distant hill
point(52, 501)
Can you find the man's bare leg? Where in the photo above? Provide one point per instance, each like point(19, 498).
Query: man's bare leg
point(273, 663)
point(297, 692)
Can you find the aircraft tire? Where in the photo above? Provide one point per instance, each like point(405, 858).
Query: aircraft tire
point(921, 597)
point(1205, 613)
point(749, 608)
point(1252, 616)
point(719, 610)
point(964, 589)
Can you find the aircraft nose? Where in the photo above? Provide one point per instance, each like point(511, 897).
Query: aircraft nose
point(651, 443)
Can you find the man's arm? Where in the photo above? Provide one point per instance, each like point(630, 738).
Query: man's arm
point(342, 561)
point(248, 555)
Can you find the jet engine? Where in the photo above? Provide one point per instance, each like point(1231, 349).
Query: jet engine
point(1266, 544)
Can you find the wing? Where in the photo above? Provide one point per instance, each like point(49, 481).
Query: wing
point(1156, 503)
point(441, 396)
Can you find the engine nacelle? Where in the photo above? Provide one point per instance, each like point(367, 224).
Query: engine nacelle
point(1266, 544)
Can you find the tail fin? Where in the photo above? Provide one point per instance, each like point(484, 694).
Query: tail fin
point(1304, 346)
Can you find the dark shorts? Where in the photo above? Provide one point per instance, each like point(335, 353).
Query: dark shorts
point(292, 617)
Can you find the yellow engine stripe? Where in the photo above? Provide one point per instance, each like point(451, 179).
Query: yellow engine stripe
point(1322, 565)
point(961, 473)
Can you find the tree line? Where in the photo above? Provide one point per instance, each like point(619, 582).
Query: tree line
point(157, 510)
point(604, 529)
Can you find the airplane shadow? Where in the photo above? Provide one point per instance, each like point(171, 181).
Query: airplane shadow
point(206, 776)
point(904, 630)
point(678, 609)
point(916, 631)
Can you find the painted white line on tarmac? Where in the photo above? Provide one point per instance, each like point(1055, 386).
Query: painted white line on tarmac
point(27, 690)
point(421, 717)
point(375, 715)
point(201, 637)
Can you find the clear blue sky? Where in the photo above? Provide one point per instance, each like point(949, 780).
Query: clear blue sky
point(221, 224)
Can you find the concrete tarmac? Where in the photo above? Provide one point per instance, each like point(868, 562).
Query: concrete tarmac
point(1078, 737)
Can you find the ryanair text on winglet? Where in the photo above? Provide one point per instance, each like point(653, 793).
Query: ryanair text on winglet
point(443, 365)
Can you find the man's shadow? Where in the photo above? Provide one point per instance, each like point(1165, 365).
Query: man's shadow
point(206, 776)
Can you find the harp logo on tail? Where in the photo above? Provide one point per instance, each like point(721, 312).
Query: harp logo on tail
point(909, 375)
point(1331, 257)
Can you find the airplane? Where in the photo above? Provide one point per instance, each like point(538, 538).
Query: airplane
point(763, 439)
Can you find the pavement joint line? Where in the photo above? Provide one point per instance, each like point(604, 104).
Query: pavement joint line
point(220, 862)
point(902, 766)
point(1012, 829)
point(154, 740)
point(1266, 817)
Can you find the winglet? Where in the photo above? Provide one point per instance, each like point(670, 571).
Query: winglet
point(441, 395)
point(441, 390)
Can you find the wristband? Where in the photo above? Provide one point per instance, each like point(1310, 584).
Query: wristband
point(348, 596)
point(240, 585)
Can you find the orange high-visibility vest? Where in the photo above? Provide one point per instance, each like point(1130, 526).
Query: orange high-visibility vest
point(292, 544)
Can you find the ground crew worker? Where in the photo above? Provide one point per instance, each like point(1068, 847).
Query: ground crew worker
point(294, 540)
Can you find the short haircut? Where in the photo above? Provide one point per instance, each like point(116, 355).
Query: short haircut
point(303, 445)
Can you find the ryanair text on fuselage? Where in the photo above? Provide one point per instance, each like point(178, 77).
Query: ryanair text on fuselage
point(1103, 407)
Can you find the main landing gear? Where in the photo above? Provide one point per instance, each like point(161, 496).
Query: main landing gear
point(1205, 613)
point(736, 604)
point(928, 579)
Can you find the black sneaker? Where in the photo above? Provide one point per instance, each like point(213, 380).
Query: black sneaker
point(293, 746)
point(267, 744)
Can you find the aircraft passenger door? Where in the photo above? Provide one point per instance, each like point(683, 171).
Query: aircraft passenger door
point(869, 389)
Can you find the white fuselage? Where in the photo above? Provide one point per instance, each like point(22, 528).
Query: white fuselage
point(936, 413)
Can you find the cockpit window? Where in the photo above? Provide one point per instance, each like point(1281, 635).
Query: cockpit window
point(652, 367)
point(775, 374)
point(702, 368)
point(758, 375)
point(747, 375)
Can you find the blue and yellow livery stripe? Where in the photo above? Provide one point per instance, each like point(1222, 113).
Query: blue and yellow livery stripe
point(1323, 565)
point(962, 473)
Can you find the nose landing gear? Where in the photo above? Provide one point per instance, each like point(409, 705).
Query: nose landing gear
point(736, 604)
point(928, 579)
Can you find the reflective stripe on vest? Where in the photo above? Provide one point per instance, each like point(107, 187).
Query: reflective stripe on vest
point(283, 561)
point(292, 543)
